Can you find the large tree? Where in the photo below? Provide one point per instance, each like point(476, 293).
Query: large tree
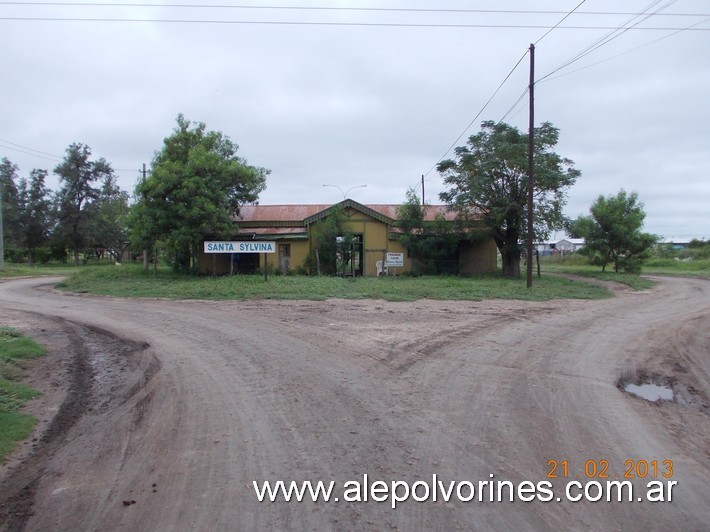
point(34, 212)
point(78, 175)
point(10, 199)
point(109, 220)
point(196, 184)
point(488, 180)
point(612, 233)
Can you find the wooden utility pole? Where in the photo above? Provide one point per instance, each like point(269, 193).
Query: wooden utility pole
point(531, 161)
point(422, 191)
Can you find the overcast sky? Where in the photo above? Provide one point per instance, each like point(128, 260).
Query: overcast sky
point(376, 99)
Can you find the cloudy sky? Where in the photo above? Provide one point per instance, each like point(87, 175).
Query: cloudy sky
point(375, 97)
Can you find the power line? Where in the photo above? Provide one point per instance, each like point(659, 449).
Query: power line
point(547, 78)
point(560, 22)
point(339, 8)
point(49, 155)
point(614, 34)
point(527, 89)
point(339, 24)
point(53, 159)
point(44, 155)
point(479, 113)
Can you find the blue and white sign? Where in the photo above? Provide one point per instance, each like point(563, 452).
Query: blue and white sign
point(251, 246)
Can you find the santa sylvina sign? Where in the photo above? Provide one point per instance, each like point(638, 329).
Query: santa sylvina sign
point(253, 246)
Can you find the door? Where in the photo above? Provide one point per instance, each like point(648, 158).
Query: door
point(284, 258)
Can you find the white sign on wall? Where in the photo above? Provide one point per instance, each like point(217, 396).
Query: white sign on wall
point(252, 246)
point(395, 260)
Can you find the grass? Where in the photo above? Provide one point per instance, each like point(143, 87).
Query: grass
point(576, 264)
point(15, 350)
point(665, 266)
point(636, 282)
point(130, 281)
point(10, 270)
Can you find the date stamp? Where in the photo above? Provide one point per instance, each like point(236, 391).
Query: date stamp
point(604, 469)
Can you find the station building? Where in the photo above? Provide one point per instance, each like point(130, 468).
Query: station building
point(374, 234)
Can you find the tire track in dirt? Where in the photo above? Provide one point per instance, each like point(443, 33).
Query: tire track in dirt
point(17, 496)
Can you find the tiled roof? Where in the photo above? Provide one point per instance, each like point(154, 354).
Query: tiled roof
point(277, 213)
point(290, 231)
point(431, 211)
point(296, 213)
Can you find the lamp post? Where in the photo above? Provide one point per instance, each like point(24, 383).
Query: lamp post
point(345, 194)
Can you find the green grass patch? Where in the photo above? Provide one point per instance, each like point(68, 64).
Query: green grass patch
point(575, 263)
point(636, 282)
point(14, 425)
point(10, 270)
point(131, 281)
point(670, 266)
point(14, 346)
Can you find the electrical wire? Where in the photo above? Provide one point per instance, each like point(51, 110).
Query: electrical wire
point(479, 112)
point(614, 34)
point(48, 156)
point(44, 154)
point(338, 24)
point(547, 78)
point(336, 8)
point(527, 89)
point(560, 22)
point(29, 153)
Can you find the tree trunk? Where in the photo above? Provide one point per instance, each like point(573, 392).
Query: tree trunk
point(511, 264)
point(75, 243)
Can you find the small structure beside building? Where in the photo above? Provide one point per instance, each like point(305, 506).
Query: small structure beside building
point(372, 229)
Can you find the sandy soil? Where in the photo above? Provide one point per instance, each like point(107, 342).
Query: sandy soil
point(158, 415)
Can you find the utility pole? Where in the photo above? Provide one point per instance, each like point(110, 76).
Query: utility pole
point(531, 160)
point(422, 191)
point(145, 251)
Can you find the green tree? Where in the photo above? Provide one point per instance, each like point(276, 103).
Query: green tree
point(612, 233)
point(433, 244)
point(197, 183)
point(488, 180)
point(109, 219)
point(77, 175)
point(9, 204)
point(34, 212)
point(332, 243)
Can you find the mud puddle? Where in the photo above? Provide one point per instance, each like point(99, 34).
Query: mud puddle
point(650, 392)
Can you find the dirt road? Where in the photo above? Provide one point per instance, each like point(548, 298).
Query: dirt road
point(207, 397)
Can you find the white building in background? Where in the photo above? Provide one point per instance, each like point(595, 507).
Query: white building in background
point(564, 245)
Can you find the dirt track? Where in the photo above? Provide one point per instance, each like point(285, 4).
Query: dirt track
point(231, 392)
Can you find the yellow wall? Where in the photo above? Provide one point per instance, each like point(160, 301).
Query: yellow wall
point(479, 257)
point(473, 258)
point(375, 241)
point(299, 253)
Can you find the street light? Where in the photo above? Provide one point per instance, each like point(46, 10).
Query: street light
point(345, 194)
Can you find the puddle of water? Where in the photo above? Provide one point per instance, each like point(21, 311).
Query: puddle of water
point(650, 392)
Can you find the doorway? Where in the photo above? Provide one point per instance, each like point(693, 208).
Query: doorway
point(350, 256)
